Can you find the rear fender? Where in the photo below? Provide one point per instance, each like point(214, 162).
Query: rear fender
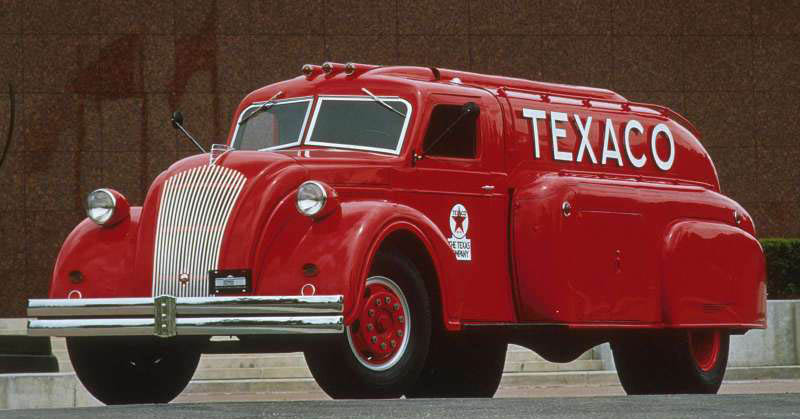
point(714, 274)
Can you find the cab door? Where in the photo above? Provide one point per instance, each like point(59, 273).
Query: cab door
point(456, 181)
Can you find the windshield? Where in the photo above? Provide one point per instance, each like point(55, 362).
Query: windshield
point(360, 122)
point(271, 125)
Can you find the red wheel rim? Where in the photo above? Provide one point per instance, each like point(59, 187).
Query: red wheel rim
point(704, 345)
point(379, 336)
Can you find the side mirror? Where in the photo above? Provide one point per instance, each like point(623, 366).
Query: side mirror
point(177, 123)
point(177, 119)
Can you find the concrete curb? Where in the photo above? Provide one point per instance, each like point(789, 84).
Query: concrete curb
point(63, 390)
point(786, 372)
point(36, 391)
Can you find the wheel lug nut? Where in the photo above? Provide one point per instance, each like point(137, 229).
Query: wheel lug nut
point(377, 301)
point(383, 345)
point(399, 333)
point(394, 344)
point(371, 312)
point(370, 327)
point(374, 339)
point(400, 319)
point(387, 300)
point(396, 307)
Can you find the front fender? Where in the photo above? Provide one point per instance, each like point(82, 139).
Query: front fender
point(105, 257)
point(342, 246)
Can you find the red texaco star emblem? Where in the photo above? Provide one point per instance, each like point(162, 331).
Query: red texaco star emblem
point(459, 219)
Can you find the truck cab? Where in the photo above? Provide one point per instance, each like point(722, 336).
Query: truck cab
point(401, 226)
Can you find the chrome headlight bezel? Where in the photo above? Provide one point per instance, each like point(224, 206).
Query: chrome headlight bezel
point(101, 204)
point(311, 198)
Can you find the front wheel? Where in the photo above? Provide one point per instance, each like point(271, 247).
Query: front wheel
point(135, 370)
point(691, 362)
point(381, 354)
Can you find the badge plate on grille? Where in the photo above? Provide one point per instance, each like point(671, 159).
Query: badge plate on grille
point(229, 281)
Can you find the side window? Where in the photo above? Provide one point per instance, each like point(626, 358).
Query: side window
point(451, 133)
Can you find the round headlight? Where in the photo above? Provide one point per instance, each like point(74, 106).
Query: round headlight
point(100, 206)
point(311, 198)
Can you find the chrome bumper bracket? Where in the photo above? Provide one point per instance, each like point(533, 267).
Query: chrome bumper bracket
point(164, 325)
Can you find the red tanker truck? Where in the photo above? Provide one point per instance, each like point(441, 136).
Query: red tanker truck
point(401, 226)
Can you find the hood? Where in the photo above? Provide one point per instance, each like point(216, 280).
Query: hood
point(339, 167)
point(335, 155)
point(249, 163)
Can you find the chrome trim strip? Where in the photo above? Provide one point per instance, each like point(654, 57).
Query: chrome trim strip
point(260, 325)
point(91, 327)
point(317, 304)
point(193, 306)
point(90, 307)
point(197, 326)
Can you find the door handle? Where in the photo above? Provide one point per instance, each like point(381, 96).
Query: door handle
point(487, 187)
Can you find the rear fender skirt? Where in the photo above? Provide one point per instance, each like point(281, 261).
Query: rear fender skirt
point(714, 274)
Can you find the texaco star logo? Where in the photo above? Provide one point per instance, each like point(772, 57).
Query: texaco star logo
point(459, 221)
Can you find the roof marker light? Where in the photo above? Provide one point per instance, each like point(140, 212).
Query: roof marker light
point(311, 71)
point(349, 68)
point(331, 69)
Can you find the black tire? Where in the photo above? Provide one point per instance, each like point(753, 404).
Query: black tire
point(667, 364)
point(343, 374)
point(132, 371)
point(461, 366)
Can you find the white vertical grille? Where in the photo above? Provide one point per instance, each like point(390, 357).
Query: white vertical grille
point(195, 206)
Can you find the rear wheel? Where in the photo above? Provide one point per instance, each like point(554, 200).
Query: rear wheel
point(461, 366)
point(381, 354)
point(128, 371)
point(691, 361)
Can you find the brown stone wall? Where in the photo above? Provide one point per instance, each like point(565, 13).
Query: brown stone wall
point(97, 81)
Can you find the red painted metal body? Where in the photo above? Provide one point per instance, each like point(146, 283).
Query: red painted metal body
point(639, 247)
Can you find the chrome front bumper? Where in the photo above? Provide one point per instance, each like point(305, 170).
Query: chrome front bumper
point(168, 316)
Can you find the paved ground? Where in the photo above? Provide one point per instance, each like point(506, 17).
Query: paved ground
point(757, 399)
point(618, 407)
point(728, 387)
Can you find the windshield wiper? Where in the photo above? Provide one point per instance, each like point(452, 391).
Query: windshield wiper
point(386, 105)
point(265, 106)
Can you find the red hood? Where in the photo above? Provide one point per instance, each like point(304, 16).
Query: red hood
point(306, 155)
